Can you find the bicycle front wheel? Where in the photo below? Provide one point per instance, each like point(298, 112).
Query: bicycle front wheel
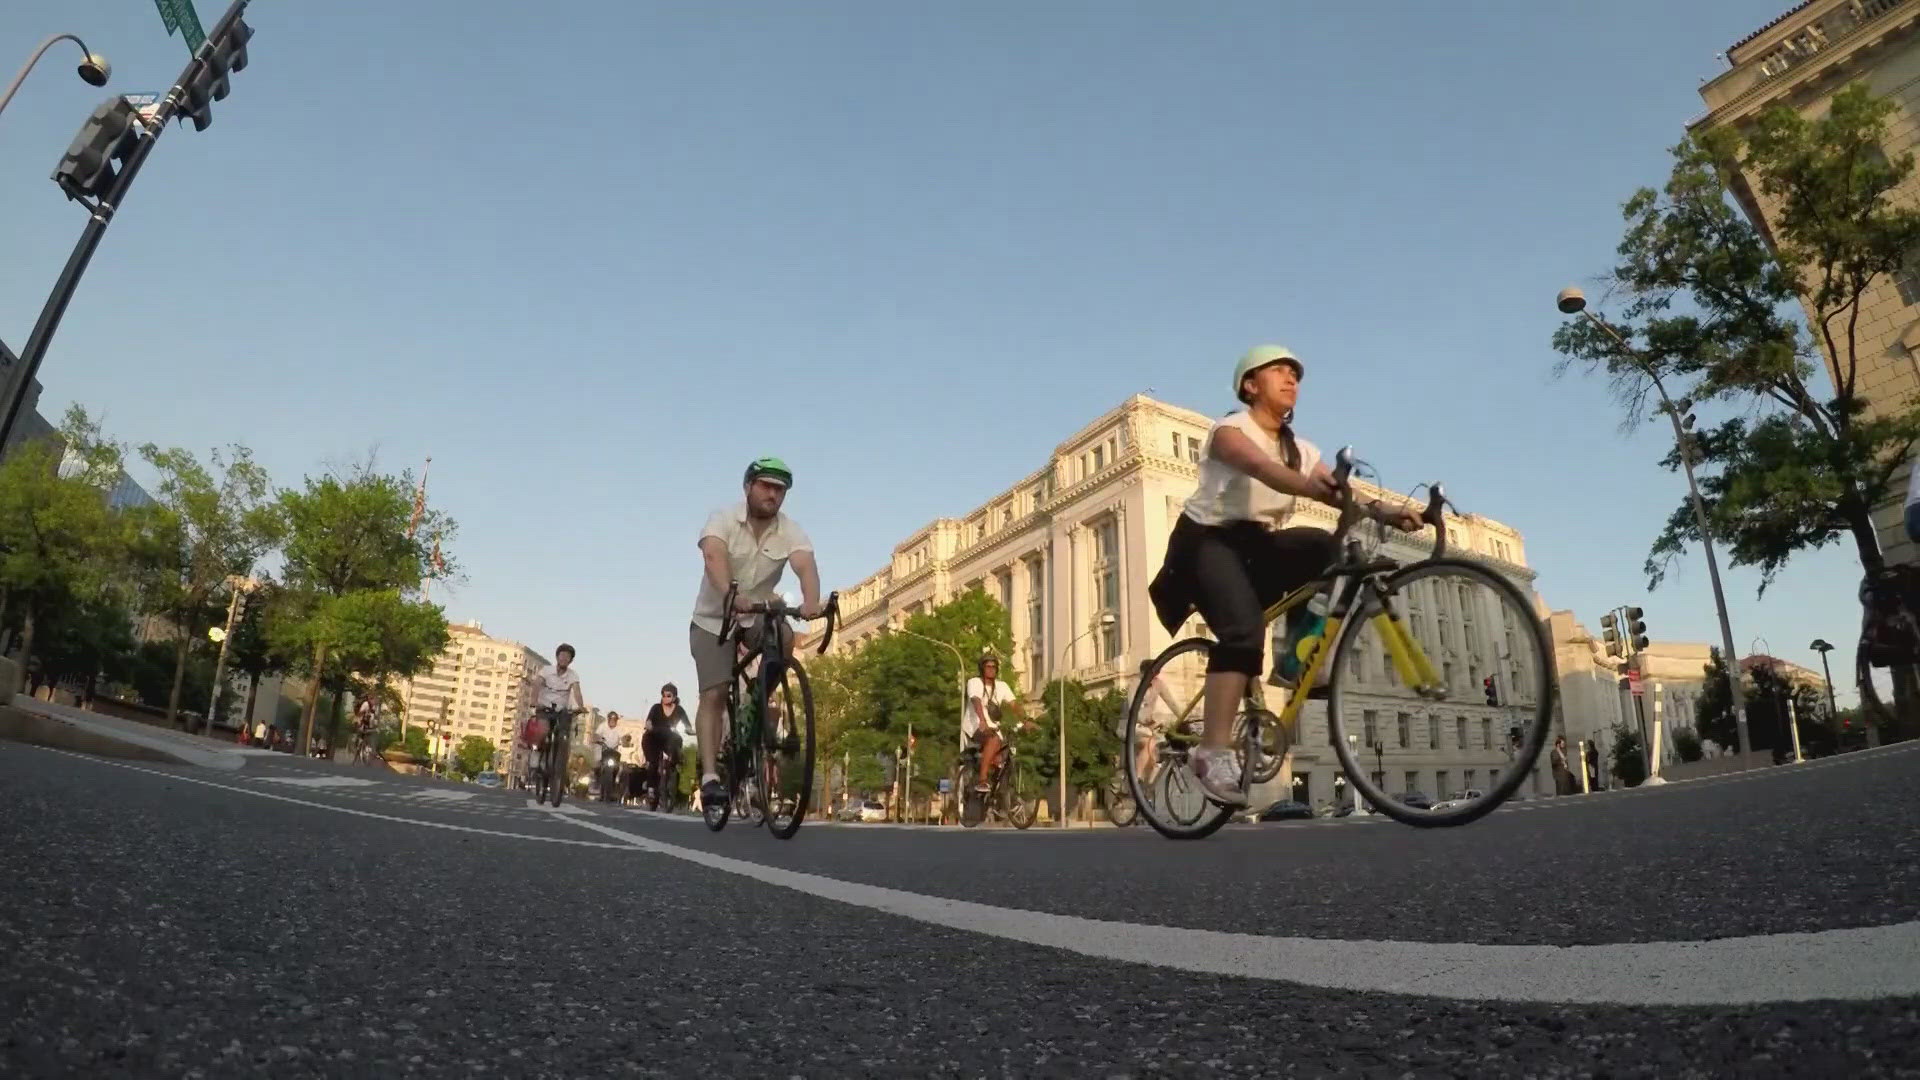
point(557, 767)
point(1183, 667)
point(1449, 690)
point(787, 757)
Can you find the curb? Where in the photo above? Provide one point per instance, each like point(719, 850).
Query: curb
point(61, 733)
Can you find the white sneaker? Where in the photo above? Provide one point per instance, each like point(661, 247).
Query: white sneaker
point(1219, 773)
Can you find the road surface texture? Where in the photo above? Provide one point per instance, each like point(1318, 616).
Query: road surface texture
point(295, 918)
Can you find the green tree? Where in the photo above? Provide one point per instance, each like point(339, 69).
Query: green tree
point(473, 755)
point(59, 541)
point(250, 651)
point(1093, 747)
point(1686, 743)
point(1629, 764)
point(89, 638)
point(1708, 309)
point(1767, 695)
point(345, 535)
point(217, 523)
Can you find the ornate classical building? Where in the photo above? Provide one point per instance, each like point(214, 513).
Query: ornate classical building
point(1080, 538)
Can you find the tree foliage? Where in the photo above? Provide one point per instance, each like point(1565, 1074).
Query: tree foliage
point(473, 755)
point(1710, 312)
point(1629, 757)
point(1767, 693)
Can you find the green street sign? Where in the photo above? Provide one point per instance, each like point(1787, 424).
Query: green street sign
point(179, 15)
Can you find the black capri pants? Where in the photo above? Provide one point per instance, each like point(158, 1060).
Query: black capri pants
point(1235, 572)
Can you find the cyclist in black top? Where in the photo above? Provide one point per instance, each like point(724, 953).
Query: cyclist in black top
point(664, 723)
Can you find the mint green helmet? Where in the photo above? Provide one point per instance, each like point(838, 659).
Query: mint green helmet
point(769, 468)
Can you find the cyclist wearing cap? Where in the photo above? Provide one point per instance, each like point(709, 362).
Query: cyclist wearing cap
point(1232, 553)
point(751, 543)
point(987, 697)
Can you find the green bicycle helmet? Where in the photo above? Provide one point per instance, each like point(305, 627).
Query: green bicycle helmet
point(769, 468)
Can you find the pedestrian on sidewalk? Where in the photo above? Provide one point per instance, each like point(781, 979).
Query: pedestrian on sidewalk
point(1562, 775)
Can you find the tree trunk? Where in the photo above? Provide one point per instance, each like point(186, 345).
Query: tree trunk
point(304, 745)
point(26, 648)
point(180, 650)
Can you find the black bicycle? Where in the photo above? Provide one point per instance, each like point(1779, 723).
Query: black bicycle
point(550, 761)
point(1006, 793)
point(766, 751)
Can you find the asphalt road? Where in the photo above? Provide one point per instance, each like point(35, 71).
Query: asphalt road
point(299, 919)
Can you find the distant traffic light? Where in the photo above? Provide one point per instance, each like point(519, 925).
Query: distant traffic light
point(1493, 695)
point(1610, 634)
point(1636, 629)
point(100, 150)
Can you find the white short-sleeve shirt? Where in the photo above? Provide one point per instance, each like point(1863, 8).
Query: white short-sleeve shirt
point(1227, 495)
point(977, 691)
point(553, 688)
point(755, 562)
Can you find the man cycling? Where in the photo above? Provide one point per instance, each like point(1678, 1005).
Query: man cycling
point(662, 739)
point(556, 688)
point(607, 741)
point(987, 696)
point(1232, 551)
point(750, 543)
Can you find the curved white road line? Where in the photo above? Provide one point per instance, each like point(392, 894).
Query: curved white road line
point(1855, 964)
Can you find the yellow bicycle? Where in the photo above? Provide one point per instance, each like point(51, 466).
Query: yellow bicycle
point(1446, 649)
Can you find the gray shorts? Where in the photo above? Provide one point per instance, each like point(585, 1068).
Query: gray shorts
point(713, 659)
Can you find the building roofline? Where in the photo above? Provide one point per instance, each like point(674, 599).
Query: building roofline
point(1776, 21)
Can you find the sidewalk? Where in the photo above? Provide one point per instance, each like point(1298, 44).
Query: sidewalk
point(64, 727)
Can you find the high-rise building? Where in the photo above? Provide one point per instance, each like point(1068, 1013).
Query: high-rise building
point(1081, 537)
point(479, 685)
point(1802, 59)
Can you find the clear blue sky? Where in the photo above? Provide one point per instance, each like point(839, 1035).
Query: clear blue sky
point(571, 250)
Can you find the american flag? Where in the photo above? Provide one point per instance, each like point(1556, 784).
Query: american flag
point(419, 502)
point(439, 564)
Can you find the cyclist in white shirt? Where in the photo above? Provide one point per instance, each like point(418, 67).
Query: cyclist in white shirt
point(987, 698)
point(1236, 548)
point(557, 686)
point(751, 543)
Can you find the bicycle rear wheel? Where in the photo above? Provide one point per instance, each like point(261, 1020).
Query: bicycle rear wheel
point(1458, 614)
point(787, 756)
point(1020, 807)
point(1183, 665)
point(1122, 810)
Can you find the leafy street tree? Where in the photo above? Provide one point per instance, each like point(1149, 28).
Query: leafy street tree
point(1767, 696)
point(347, 536)
point(473, 756)
point(1629, 762)
point(59, 541)
point(1093, 746)
point(217, 521)
point(1708, 301)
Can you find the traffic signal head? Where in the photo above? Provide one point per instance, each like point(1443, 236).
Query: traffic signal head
point(209, 82)
point(100, 150)
point(1610, 634)
point(1636, 629)
point(1493, 695)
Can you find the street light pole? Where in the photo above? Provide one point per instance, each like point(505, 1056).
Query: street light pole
point(1571, 302)
point(94, 68)
point(1106, 619)
point(1823, 647)
point(240, 586)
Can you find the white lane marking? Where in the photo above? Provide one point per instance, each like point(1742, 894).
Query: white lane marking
point(320, 781)
point(1856, 964)
point(439, 795)
point(564, 808)
point(1860, 964)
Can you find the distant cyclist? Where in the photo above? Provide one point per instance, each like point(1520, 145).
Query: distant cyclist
point(664, 723)
point(1233, 552)
point(987, 699)
point(556, 688)
point(750, 543)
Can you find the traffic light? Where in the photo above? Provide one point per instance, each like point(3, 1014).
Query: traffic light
point(101, 149)
point(1610, 634)
point(209, 82)
point(1493, 695)
point(1636, 629)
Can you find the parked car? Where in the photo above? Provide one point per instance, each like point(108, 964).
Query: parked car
point(1286, 810)
point(1416, 800)
point(1458, 798)
point(873, 811)
point(488, 779)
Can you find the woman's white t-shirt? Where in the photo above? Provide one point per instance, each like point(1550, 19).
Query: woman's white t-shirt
point(1227, 495)
point(1002, 696)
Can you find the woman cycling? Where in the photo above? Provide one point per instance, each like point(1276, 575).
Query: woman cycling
point(1232, 553)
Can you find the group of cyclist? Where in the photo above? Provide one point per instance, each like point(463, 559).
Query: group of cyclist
point(1231, 555)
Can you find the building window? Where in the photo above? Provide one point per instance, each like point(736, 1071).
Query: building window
point(1460, 728)
point(1486, 733)
point(1406, 735)
point(1386, 668)
point(1106, 583)
point(1907, 280)
point(1433, 733)
point(1493, 778)
point(980, 530)
point(1006, 515)
point(1379, 781)
point(1440, 785)
point(1193, 450)
point(1370, 726)
point(1412, 782)
point(1466, 779)
point(1099, 458)
point(1176, 445)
